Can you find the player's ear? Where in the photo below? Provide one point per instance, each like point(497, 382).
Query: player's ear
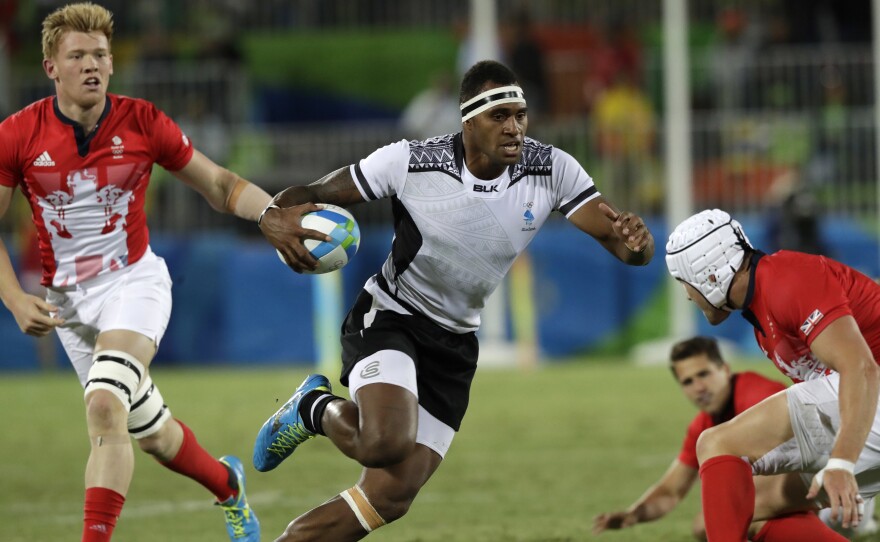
point(50, 68)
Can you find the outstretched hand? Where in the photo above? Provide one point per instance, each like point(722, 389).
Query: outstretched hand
point(840, 485)
point(613, 521)
point(628, 227)
point(283, 228)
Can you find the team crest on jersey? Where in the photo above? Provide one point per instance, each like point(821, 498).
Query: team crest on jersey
point(528, 217)
point(117, 148)
point(812, 320)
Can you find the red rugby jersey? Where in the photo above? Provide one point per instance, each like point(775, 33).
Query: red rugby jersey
point(794, 296)
point(87, 191)
point(748, 389)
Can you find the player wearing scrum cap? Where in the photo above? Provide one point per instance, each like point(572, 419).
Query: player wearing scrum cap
point(465, 205)
point(819, 322)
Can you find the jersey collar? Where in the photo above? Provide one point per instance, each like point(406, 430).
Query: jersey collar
point(750, 293)
point(83, 140)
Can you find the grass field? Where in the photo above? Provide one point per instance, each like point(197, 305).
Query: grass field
point(540, 453)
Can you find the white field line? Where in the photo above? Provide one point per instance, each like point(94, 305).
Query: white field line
point(259, 500)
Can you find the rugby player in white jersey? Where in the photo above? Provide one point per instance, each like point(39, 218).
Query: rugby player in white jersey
point(83, 158)
point(465, 205)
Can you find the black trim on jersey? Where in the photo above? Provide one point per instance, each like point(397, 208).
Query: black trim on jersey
point(727, 412)
point(750, 293)
point(385, 287)
point(458, 153)
point(82, 140)
point(407, 238)
point(565, 209)
point(362, 179)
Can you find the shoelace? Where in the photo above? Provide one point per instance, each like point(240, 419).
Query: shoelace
point(289, 438)
point(235, 518)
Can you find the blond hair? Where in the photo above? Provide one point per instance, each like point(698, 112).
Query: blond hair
point(84, 17)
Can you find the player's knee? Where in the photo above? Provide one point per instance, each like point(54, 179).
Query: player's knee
point(384, 450)
point(710, 443)
point(392, 507)
point(104, 411)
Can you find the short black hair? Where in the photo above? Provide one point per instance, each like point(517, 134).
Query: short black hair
point(481, 73)
point(694, 347)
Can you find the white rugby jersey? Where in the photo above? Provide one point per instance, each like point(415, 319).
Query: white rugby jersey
point(456, 236)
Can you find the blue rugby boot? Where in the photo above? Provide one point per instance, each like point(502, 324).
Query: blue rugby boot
point(242, 524)
point(284, 431)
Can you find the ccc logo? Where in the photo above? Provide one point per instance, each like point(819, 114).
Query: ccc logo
point(370, 369)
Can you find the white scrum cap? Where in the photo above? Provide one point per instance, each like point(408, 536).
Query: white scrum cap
point(705, 251)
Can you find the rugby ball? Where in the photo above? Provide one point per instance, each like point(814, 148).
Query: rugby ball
point(346, 237)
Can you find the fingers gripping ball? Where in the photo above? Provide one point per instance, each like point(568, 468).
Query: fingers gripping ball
point(346, 237)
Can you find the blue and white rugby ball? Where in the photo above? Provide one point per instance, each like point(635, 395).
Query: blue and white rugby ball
point(338, 224)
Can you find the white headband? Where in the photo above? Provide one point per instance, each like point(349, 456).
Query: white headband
point(491, 98)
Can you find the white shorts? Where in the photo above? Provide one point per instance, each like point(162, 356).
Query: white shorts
point(136, 298)
point(396, 368)
point(814, 410)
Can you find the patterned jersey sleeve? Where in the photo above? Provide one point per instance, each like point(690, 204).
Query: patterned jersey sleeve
point(688, 454)
point(10, 173)
point(172, 149)
point(382, 173)
point(574, 187)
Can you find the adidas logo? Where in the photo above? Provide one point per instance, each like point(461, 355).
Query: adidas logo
point(44, 160)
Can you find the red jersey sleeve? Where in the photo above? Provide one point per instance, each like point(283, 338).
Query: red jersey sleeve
point(688, 454)
point(807, 297)
point(10, 170)
point(171, 148)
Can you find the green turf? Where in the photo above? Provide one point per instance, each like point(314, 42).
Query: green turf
point(540, 453)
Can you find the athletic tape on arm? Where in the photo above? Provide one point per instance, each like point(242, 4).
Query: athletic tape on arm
point(247, 200)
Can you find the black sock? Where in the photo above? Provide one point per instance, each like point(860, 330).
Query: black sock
point(312, 407)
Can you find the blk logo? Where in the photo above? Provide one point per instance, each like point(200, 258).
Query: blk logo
point(486, 189)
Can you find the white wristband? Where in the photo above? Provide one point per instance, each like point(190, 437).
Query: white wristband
point(270, 206)
point(842, 464)
point(835, 464)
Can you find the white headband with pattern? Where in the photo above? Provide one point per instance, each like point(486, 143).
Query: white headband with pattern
point(491, 98)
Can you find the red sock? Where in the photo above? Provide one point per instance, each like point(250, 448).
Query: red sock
point(797, 527)
point(194, 462)
point(728, 498)
point(102, 508)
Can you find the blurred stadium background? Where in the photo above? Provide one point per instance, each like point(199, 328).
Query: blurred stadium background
point(781, 133)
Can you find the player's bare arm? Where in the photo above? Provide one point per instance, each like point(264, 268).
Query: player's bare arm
point(281, 222)
point(842, 347)
point(659, 499)
point(224, 190)
point(32, 314)
point(623, 234)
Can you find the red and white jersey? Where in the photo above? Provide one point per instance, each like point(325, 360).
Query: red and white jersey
point(794, 296)
point(86, 191)
point(746, 390)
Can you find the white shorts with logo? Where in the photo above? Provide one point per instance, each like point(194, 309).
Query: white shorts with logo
point(397, 368)
point(136, 298)
point(814, 410)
